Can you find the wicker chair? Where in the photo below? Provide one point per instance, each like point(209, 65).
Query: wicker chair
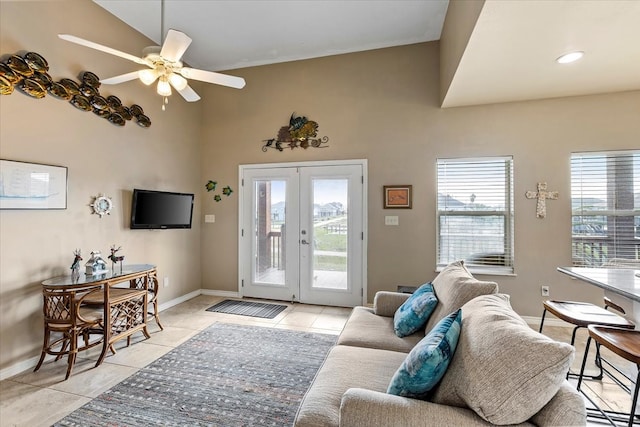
point(153, 299)
point(65, 314)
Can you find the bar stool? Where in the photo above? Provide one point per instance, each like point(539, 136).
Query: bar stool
point(626, 344)
point(581, 315)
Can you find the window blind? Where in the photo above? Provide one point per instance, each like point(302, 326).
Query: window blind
point(475, 213)
point(605, 204)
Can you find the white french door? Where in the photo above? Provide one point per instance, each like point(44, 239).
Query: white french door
point(302, 232)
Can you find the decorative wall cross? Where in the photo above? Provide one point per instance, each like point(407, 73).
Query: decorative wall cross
point(542, 195)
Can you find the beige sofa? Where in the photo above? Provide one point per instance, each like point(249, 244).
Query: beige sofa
point(502, 371)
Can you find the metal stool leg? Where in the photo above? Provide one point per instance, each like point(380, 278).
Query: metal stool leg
point(544, 312)
point(634, 402)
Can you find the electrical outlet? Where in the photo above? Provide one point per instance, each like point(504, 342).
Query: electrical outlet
point(545, 291)
point(165, 282)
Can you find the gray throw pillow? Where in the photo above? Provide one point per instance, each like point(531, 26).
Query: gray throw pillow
point(454, 287)
point(503, 370)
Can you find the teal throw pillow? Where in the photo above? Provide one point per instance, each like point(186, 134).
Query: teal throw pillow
point(415, 311)
point(428, 361)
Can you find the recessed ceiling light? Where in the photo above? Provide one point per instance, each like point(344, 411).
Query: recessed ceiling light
point(570, 57)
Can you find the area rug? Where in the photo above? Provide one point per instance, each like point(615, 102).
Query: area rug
point(226, 375)
point(248, 308)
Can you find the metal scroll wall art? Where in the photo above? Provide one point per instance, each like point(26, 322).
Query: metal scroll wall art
point(30, 74)
point(301, 132)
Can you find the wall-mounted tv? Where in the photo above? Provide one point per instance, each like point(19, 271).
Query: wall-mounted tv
point(161, 209)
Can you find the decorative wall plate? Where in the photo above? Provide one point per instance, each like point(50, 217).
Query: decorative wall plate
point(71, 86)
point(116, 119)
point(88, 91)
point(143, 120)
point(99, 103)
point(59, 91)
point(101, 113)
point(36, 62)
point(90, 79)
point(43, 78)
point(81, 103)
point(9, 74)
point(6, 88)
point(102, 205)
point(33, 88)
point(136, 110)
point(20, 66)
point(114, 102)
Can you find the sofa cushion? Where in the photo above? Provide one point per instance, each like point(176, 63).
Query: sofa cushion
point(428, 361)
point(415, 311)
point(454, 287)
point(503, 370)
point(366, 329)
point(345, 367)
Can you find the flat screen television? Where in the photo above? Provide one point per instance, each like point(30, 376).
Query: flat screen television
point(161, 209)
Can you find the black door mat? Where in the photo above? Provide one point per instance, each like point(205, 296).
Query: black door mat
point(247, 308)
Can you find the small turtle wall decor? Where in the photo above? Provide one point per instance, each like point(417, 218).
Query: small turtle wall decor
point(212, 185)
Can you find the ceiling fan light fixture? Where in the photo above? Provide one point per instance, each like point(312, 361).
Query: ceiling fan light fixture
point(570, 57)
point(148, 76)
point(177, 81)
point(164, 88)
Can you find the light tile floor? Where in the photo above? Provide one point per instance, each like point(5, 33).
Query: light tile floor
point(41, 398)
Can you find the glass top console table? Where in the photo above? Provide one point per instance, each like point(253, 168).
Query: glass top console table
point(125, 307)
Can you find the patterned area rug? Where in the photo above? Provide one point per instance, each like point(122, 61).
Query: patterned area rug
point(248, 308)
point(227, 375)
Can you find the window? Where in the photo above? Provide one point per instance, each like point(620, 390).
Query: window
point(605, 204)
point(475, 214)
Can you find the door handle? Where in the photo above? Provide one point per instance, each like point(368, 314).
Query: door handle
point(304, 242)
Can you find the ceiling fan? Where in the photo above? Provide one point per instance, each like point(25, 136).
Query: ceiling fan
point(165, 65)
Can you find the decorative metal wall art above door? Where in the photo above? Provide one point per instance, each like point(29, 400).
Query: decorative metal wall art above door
point(301, 132)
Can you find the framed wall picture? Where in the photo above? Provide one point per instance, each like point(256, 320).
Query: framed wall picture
point(32, 186)
point(397, 196)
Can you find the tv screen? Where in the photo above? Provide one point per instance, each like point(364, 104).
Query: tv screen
point(161, 209)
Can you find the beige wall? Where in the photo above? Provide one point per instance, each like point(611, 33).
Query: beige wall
point(100, 157)
point(383, 106)
point(380, 105)
point(459, 24)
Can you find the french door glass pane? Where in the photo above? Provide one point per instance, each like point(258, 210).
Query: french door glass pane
point(270, 225)
point(330, 222)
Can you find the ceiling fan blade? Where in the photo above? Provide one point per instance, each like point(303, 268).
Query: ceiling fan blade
point(175, 45)
point(120, 79)
point(189, 94)
point(211, 77)
point(92, 45)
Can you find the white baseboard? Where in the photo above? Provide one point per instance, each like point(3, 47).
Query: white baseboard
point(19, 367)
point(226, 294)
point(168, 304)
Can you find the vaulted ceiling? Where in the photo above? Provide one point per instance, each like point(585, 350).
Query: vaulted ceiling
point(509, 54)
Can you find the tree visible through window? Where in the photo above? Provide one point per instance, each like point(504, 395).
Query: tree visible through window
point(605, 204)
point(475, 213)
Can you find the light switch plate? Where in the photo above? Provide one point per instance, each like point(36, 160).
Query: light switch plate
point(209, 218)
point(391, 220)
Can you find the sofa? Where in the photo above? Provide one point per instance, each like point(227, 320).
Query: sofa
point(502, 372)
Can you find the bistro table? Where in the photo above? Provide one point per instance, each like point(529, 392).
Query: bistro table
point(125, 308)
point(622, 285)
